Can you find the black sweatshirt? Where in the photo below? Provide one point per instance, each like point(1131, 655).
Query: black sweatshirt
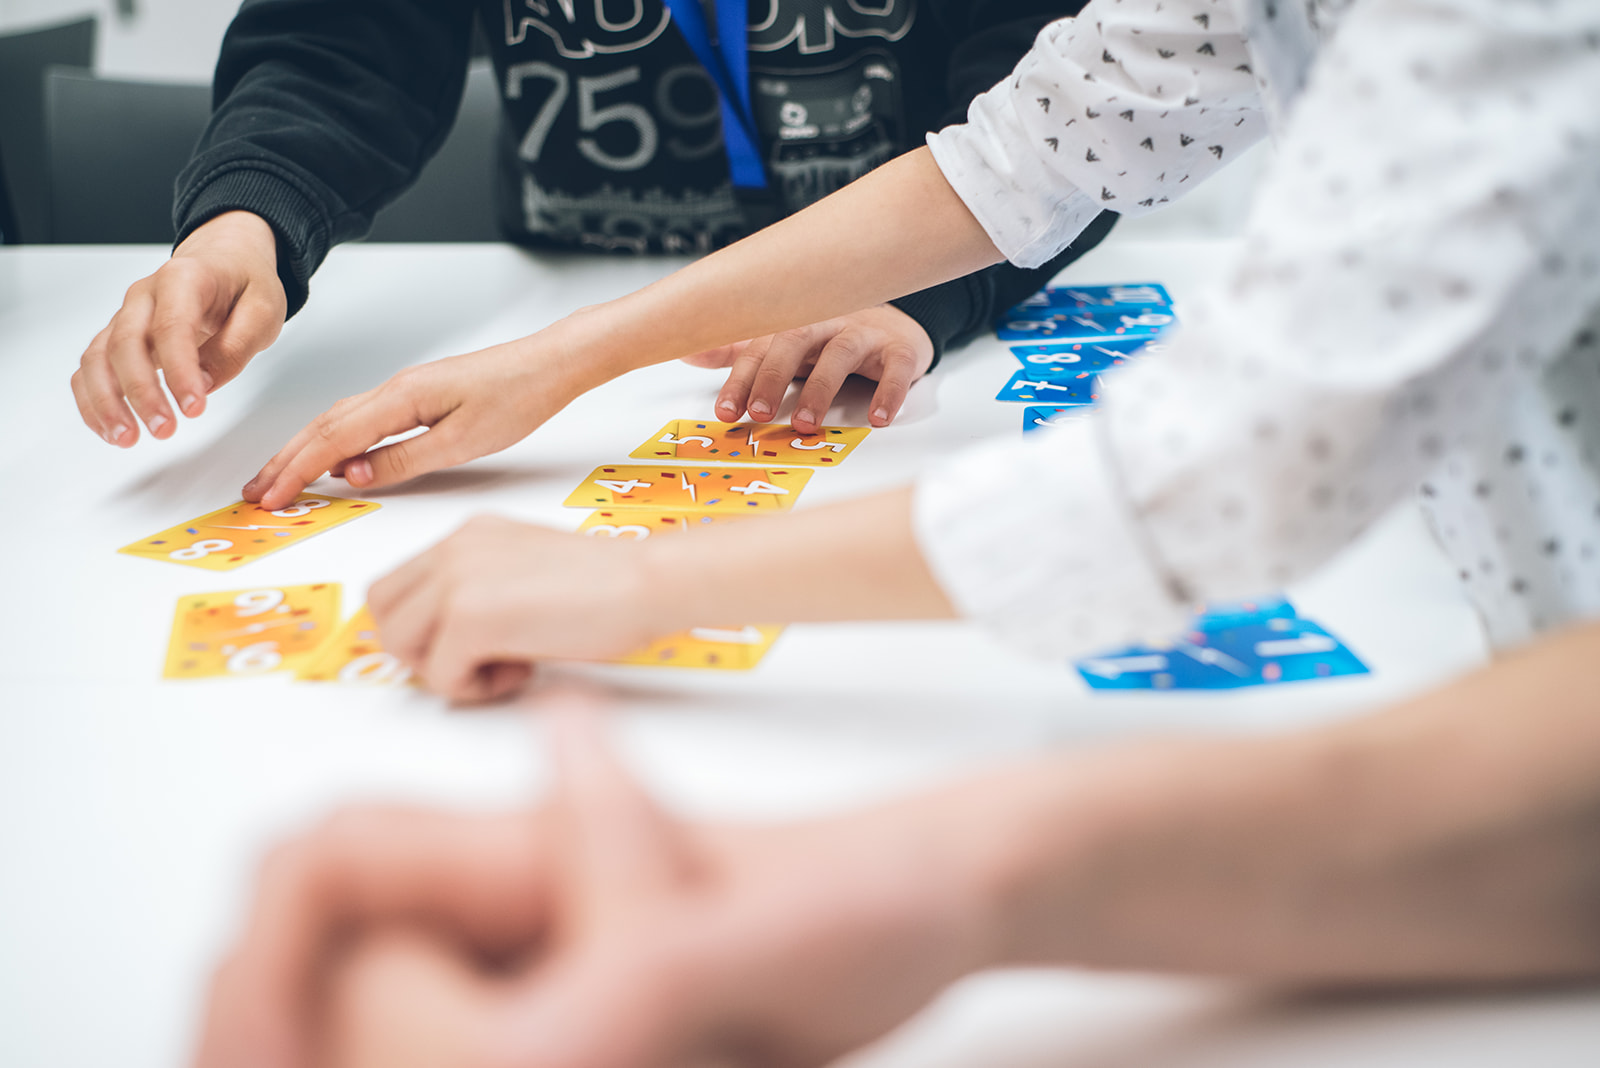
point(326, 110)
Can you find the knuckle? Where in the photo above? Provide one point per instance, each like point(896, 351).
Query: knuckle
point(325, 427)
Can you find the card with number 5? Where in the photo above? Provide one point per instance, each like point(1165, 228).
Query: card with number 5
point(235, 535)
point(750, 443)
point(250, 632)
point(747, 490)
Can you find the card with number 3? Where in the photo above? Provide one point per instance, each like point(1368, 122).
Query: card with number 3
point(233, 536)
point(250, 632)
point(701, 489)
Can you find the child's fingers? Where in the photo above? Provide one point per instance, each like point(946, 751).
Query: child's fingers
point(778, 367)
point(100, 400)
point(175, 343)
point(901, 369)
point(734, 396)
point(841, 357)
point(128, 352)
point(618, 847)
point(337, 435)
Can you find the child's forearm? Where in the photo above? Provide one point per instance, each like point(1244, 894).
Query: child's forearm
point(899, 229)
point(782, 569)
point(1456, 836)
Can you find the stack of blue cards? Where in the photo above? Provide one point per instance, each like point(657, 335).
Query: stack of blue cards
point(1089, 313)
point(1077, 332)
point(1227, 647)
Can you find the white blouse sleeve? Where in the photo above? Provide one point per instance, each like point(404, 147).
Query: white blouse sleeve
point(1125, 107)
point(1428, 239)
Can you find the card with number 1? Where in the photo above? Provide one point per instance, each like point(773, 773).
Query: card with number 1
point(233, 536)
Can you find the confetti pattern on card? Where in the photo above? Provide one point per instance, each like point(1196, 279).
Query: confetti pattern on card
point(1038, 417)
point(717, 648)
point(1050, 324)
point(1125, 294)
point(750, 443)
point(641, 523)
point(233, 536)
point(355, 655)
point(1060, 390)
point(1064, 357)
point(746, 490)
point(250, 632)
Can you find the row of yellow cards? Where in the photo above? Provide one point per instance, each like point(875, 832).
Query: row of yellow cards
point(287, 628)
point(641, 500)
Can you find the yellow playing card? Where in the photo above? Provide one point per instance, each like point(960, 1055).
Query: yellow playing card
point(641, 523)
point(235, 535)
point(745, 490)
point(750, 443)
point(354, 654)
point(250, 632)
point(723, 649)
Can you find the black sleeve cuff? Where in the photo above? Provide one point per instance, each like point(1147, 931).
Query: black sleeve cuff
point(263, 189)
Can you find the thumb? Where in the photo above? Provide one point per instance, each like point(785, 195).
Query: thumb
point(438, 447)
point(721, 356)
point(620, 850)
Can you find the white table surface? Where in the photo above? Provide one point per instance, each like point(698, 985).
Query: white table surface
point(132, 809)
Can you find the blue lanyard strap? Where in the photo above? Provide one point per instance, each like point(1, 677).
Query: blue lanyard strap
point(728, 63)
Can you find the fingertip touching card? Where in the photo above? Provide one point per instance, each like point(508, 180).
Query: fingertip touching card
point(751, 443)
point(355, 655)
point(250, 632)
point(1228, 647)
point(748, 490)
point(233, 536)
point(721, 649)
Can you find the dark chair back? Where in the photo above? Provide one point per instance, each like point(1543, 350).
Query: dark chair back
point(115, 148)
point(24, 57)
point(453, 198)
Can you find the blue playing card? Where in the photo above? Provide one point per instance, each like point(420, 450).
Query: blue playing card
point(1132, 294)
point(1094, 324)
point(1229, 646)
point(1083, 355)
point(1057, 389)
point(1037, 417)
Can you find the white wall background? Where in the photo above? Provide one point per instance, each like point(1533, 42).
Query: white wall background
point(161, 40)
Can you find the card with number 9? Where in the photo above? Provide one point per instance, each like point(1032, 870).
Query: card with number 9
point(233, 536)
point(250, 632)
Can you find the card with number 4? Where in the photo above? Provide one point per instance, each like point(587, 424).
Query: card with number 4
point(721, 649)
point(250, 632)
point(354, 655)
point(642, 523)
point(745, 490)
point(750, 443)
point(235, 535)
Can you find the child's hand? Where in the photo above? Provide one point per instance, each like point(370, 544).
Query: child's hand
point(882, 343)
point(597, 932)
point(472, 405)
point(473, 613)
point(197, 321)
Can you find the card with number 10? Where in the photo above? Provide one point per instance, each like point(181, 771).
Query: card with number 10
point(235, 535)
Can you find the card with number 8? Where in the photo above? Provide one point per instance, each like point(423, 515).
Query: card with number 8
point(250, 632)
point(750, 443)
point(641, 523)
point(235, 535)
point(745, 490)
